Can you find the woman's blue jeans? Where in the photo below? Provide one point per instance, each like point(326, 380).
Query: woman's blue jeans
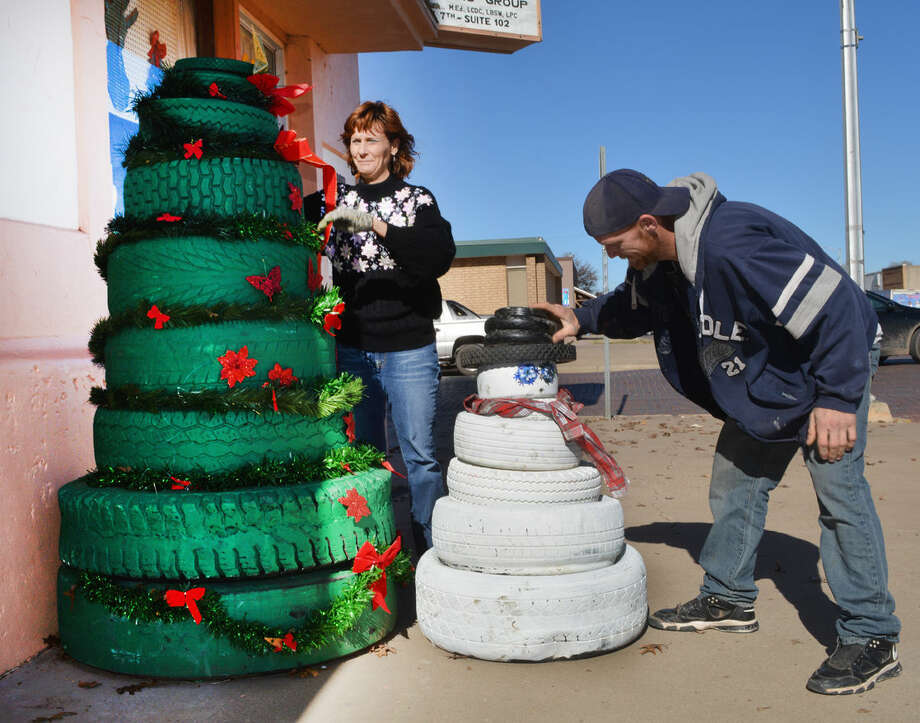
point(744, 472)
point(408, 380)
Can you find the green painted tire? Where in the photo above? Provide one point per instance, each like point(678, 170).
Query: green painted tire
point(197, 441)
point(237, 533)
point(195, 270)
point(223, 186)
point(94, 636)
point(200, 115)
point(187, 357)
point(230, 75)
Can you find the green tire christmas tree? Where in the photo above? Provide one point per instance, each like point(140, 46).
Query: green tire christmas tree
point(232, 525)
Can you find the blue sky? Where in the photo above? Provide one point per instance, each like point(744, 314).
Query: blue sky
point(749, 92)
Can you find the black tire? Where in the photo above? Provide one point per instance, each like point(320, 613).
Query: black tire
point(503, 355)
point(235, 533)
point(914, 346)
point(518, 336)
point(463, 356)
point(534, 323)
point(519, 312)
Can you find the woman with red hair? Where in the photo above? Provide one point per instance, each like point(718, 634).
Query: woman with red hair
point(388, 248)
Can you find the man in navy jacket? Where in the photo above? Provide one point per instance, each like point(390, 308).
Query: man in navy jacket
point(754, 322)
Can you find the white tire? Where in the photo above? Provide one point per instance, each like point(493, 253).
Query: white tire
point(533, 442)
point(528, 540)
point(486, 485)
point(522, 380)
point(520, 617)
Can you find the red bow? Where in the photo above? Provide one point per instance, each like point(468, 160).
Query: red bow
point(332, 320)
point(168, 217)
point(279, 643)
point(367, 558)
point(157, 49)
point(158, 315)
point(193, 149)
point(297, 149)
point(179, 484)
point(314, 279)
point(349, 426)
point(178, 599)
point(280, 106)
point(296, 197)
point(215, 91)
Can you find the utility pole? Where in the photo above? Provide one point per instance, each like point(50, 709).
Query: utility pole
point(849, 42)
point(603, 172)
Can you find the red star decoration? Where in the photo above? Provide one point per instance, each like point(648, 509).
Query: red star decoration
point(268, 285)
point(159, 317)
point(193, 149)
point(356, 504)
point(236, 365)
point(296, 197)
point(349, 426)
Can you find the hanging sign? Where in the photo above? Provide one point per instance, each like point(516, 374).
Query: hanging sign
point(501, 18)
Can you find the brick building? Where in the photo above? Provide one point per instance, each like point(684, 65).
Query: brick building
point(491, 273)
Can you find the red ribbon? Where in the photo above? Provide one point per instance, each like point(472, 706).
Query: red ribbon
point(280, 106)
point(157, 49)
point(289, 641)
point(296, 149)
point(564, 411)
point(215, 91)
point(193, 149)
point(349, 420)
point(178, 599)
point(386, 465)
point(367, 558)
point(314, 279)
point(179, 484)
point(295, 196)
point(159, 317)
point(168, 217)
point(331, 320)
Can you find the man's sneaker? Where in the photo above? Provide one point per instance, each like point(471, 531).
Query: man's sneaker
point(706, 613)
point(856, 668)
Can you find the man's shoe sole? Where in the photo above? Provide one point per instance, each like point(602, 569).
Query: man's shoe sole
point(697, 626)
point(892, 670)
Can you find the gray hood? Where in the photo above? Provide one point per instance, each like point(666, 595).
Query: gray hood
point(687, 228)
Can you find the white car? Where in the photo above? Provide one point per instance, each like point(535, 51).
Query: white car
point(457, 331)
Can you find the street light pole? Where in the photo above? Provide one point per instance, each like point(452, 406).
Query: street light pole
point(849, 42)
point(602, 167)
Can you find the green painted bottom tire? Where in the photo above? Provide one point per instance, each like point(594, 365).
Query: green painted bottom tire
point(94, 636)
point(189, 441)
point(229, 534)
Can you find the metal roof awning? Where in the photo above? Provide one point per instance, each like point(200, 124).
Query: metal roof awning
point(528, 245)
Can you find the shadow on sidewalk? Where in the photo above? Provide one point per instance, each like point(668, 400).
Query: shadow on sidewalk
point(791, 563)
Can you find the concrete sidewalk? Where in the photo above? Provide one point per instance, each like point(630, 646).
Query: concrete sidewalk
point(661, 677)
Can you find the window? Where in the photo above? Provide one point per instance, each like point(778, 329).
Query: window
point(461, 312)
point(261, 49)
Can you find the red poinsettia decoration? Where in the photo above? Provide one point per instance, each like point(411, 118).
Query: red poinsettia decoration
point(349, 426)
point(356, 505)
point(158, 316)
point(287, 231)
point(168, 217)
point(367, 558)
point(295, 196)
point(284, 377)
point(157, 49)
point(314, 278)
point(331, 320)
point(236, 365)
point(269, 284)
point(194, 149)
point(179, 484)
point(280, 106)
point(178, 599)
point(279, 643)
point(215, 91)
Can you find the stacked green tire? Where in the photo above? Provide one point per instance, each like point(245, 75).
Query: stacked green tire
point(275, 555)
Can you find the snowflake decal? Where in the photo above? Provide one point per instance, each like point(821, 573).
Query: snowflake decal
point(527, 374)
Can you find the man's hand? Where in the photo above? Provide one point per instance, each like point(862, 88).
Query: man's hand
point(347, 219)
point(834, 432)
point(570, 325)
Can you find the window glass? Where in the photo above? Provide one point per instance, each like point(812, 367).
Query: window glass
point(461, 311)
point(259, 49)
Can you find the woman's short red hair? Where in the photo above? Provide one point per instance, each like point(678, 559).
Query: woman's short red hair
point(374, 114)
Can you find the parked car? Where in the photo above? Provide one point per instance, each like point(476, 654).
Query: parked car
point(458, 331)
point(900, 327)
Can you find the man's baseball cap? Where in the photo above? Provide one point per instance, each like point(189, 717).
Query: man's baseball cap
point(620, 197)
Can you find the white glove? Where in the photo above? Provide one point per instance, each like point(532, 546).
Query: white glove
point(347, 219)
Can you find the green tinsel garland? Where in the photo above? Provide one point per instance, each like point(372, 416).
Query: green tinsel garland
point(243, 227)
point(180, 84)
point(268, 473)
point(320, 399)
point(319, 629)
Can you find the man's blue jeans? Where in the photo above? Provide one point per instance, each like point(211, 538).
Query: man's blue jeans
point(744, 472)
point(409, 381)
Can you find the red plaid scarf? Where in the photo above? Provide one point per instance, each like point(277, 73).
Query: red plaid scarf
point(564, 411)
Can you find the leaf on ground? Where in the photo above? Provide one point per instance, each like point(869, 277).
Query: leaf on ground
point(306, 672)
point(56, 716)
point(382, 650)
point(135, 687)
point(653, 648)
point(456, 656)
point(89, 683)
